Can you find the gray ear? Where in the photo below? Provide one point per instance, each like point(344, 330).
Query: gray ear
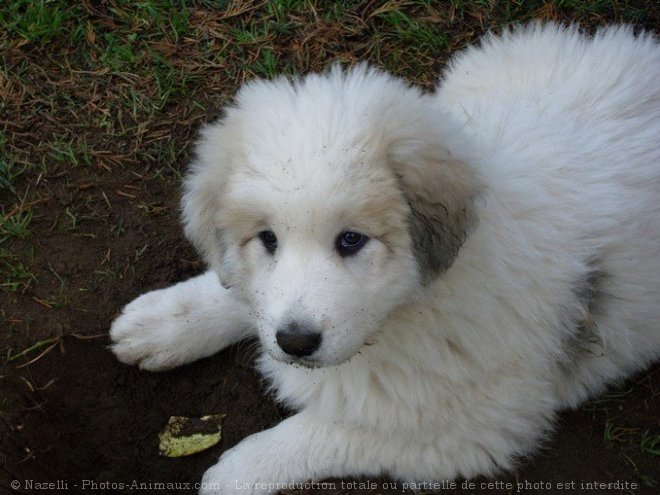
point(440, 192)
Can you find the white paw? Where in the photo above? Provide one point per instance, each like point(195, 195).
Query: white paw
point(148, 332)
point(246, 470)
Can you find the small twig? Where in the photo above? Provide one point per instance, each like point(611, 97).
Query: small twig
point(39, 344)
point(45, 304)
point(121, 193)
point(34, 388)
point(32, 361)
point(87, 337)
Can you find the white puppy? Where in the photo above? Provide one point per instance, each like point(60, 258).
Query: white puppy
point(431, 277)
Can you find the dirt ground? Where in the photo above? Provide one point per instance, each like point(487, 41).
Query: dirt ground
point(70, 414)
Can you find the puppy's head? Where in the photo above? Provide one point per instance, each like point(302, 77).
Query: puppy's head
point(325, 203)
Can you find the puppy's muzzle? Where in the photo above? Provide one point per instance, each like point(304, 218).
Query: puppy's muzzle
point(298, 339)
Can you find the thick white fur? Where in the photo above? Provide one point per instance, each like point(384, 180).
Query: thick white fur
point(551, 140)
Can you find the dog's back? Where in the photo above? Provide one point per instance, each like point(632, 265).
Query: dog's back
point(570, 127)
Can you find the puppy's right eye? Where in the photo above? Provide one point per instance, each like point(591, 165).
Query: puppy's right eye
point(269, 240)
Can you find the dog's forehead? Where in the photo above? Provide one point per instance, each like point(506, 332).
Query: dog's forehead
point(334, 119)
point(322, 177)
point(314, 164)
point(328, 188)
point(319, 149)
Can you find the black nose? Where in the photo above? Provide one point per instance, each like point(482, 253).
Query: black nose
point(298, 339)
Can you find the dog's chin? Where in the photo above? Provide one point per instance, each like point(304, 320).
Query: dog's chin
point(314, 362)
point(310, 362)
point(305, 363)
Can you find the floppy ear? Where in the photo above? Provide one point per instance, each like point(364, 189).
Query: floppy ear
point(202, 197)
point(440, 191)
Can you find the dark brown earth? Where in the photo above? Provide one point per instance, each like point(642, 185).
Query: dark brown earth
point(102, 234)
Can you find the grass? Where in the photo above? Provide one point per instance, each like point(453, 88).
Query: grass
point(15, 225)
point(36, 22)
point(632, 443)
point(650, 443)
point(100, 101)
point(15, 275)
point(37, 346)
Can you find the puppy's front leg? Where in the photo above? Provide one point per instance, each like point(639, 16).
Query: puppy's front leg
point(300, 448)
point(166, 328)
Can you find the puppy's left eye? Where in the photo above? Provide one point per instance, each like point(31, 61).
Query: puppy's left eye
point(269, 240)
point(349, 243)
